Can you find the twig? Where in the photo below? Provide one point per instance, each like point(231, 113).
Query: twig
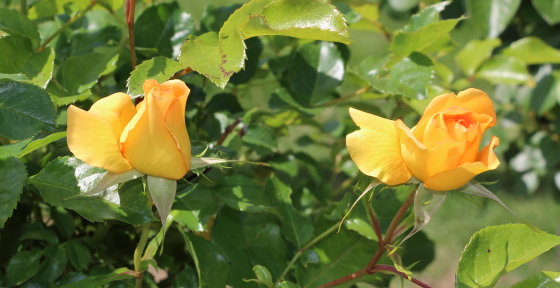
point(389, 268)
point(182, 73)
point(387, 240)
point(139, 252)
point(130, 6)
point(66, 25)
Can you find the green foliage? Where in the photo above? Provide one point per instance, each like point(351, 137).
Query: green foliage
point(496, 250)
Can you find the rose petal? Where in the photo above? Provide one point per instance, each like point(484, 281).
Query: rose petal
point(175, 122)
point(375, 148)
point(116, 109)
point(147, 143)
point(479, 102)
point(458, 177)
point(92, 140)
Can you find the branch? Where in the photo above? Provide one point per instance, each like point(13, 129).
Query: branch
point(391, 269)
point(130, 6)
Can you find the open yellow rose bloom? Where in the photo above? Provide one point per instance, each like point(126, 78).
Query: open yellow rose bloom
point(151, 137)
point(441, 150)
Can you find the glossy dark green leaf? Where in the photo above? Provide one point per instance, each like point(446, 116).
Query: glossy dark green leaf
point(23, 266)
point(533, 50)
point(96, 281)
point(13, 150)
point(418, 249)
point(490, 17)
point(159, 68)
point(78, 80)
point(316, 69)
point(39, 143)
point(186, 278)
point(405, 43)
point(15, 23)
point(212, 266)
point(254, 50)
point(297, 228)
point(544, 279)
point(219, 55)
point(53, 265)
point(195, 205)
point(261, 139)
point(154, 28)
point(224, 102)
point(66, 177)
point(475, 53)
point(78, 254)
point(38, 68)
point(496, 250)
point(22, 119)
point(504, 70)
point(12, 178)
point(549, 10)
point(46, 235)
point(63, 221)
point(283, 98)
point(15, 50)
point(242, 193)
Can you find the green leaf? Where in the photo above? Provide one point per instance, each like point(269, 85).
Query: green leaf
point(211, 265)
point(545, 95)
point(532, 50)
point(408, 77)
point(403, 5)
point(195, 206)
point(219, 55)
point(201, 162)
point(282, 97)
point(78, 253)
point(15, 23)
point(53, 265)
point(15, 50)
point(162, 192)
point(544, 279)
point(496, 250)
point(12, 178)
point(490, 17)
point(504, 70)
point(63, 180)
point(549, 10)
point(41, 143)
point(159, 68)
point(261, 139)
point(13, 149)
point(242, 193)
point(286, 284)
point(427, 16)
point(297, 228)
point(154, 28)
point(23, 266)
point(315, 70)
point(362, 227)
point(405, 43)
point(475, 53)
point(263, 274)
point(25, 110)
point(78, 80)
point(46, 235)
point(63, 221)
point(39, 67)
point(97, 281)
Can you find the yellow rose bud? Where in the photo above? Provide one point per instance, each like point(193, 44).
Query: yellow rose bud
point(151, 137)
point(441, 150)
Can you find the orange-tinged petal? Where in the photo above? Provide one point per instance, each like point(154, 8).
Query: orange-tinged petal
point(149, 85)
point(456, 178)
point(92, 140)
point(479, 102)
point(375, 148)
point(437, 105)
point(148, 144)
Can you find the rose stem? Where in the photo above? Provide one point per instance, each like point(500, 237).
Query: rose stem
point(300, 251)
point(130, 6)
point(374, 221)
point(389, 268)
point(357, 92)
point(387, 240)
point(66, 25)
point(142, 245)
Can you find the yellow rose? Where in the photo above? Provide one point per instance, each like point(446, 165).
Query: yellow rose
point(441, 150)
point(151, 137)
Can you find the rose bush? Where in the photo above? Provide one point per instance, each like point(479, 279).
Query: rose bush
point(441, 150)
point(151, 137)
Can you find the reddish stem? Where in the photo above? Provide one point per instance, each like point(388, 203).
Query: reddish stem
point(389, 268)
point(130, 6)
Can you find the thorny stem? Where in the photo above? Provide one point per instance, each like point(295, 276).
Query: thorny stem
point(67, 24)
point(357, 92)
point(374, 222)
point(300, 251)
point(130, 6)
point(182, 73)
point(389, 268)
point(368, 269)
point(138, 253)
